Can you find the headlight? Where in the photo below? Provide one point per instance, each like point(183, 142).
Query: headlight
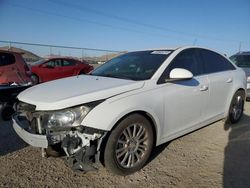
point(67, 118)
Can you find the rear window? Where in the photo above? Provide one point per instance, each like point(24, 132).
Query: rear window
point(241, 60)
point(214, 62)
point(6, 59)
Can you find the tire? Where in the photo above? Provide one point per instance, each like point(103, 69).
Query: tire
point(236, 107)
point(54, 151)
point(35, 79)
point(6, 112)
point(136, 138)
point(81, 72)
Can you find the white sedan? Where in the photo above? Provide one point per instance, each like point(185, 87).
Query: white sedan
point(124, 108)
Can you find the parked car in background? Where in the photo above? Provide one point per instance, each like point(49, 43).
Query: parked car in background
point(55, 68)
point(242, 60)
point(130, 104)
point(8, 98)
point(14, 78)
point(13, 69)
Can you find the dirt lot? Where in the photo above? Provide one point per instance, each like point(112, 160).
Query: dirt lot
point(215, 156)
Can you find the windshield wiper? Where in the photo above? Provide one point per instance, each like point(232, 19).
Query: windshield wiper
point(115, 76)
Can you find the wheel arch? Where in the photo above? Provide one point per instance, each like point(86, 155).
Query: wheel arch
point(147, 115)
point(38, 77)
point(231, 97)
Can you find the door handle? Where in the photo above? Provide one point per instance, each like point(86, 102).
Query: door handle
point(204, 88)
point(229, 80)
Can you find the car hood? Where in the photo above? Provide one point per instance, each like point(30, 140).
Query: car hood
point(72, 91)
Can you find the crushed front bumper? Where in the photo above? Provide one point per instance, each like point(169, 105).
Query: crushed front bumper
point(21, 128)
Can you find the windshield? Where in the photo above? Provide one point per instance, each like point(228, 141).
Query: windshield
point(134, 65)
point(241, 60)
point(38, 62)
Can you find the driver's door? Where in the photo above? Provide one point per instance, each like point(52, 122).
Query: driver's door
point(51, 70)
point(184, 100)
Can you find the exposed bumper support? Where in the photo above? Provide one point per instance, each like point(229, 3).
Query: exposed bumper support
point(32, 139)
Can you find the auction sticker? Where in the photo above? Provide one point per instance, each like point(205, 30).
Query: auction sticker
point(162, 52)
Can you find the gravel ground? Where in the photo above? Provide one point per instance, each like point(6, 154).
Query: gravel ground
point(215, 156)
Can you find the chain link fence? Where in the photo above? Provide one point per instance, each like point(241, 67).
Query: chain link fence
point(33, 52)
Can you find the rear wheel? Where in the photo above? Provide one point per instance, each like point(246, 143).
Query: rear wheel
point(129, 145)
point(35, 79)
point(236, 107)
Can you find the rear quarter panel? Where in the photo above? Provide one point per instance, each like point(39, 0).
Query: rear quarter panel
point(239, 82)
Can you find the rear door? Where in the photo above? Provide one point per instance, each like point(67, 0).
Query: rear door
point(220, 77)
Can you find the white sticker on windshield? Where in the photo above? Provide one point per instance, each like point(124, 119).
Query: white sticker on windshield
point(163, 52)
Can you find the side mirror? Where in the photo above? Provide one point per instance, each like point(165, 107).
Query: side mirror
point(180, 74)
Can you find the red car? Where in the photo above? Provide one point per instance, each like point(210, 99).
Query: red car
point(13, 69)
point(55, 68)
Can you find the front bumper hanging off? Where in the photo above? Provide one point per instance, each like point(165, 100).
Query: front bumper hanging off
point(82, 149)
point(21, 127)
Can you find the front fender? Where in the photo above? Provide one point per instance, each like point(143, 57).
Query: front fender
point(107, 114)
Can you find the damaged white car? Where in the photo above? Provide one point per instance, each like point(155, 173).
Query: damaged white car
point(130, 104)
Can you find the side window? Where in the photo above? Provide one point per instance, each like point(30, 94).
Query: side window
point(50, 64)
point(187, 59)
point(214, 62)
point(6, 59)
point(68, 63)
point(241, 60)
point(58, 63)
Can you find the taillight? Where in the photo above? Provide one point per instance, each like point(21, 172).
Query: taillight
point(27, 70)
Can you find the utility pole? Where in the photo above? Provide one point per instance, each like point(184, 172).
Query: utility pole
point(82, 54)
point(9, 45)
point(50, 50)
point(194, 42)
point(240, 47)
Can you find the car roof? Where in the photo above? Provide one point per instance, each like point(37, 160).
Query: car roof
point(60, 57)
point(242, 53)
point(9, 51)
point(176, 48)
point(180, 48)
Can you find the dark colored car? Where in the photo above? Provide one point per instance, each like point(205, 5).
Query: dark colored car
point(242, 60)
point(13, 69)
point(55, 68)
point(8, 99)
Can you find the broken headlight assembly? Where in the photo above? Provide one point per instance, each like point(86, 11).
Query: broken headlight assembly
point(70, 117)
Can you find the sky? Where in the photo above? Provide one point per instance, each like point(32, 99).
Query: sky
point(222, 25)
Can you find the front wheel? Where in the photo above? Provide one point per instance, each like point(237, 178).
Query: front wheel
point(129, 145)
point(236, 107)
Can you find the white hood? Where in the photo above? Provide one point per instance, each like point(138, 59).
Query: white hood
point(72, 91)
